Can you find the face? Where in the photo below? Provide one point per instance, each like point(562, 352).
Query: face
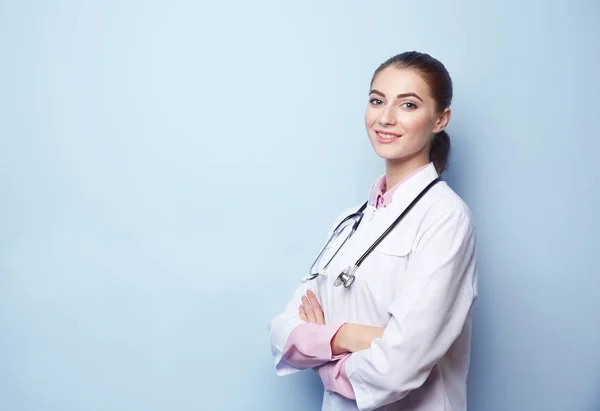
point(401, 116)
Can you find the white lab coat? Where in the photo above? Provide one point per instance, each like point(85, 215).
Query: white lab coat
point(420, 283)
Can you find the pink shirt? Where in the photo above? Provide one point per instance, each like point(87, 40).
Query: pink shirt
point(309, 345)
point(380, 197)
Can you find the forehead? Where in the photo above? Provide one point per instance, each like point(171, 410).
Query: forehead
point(393, 80)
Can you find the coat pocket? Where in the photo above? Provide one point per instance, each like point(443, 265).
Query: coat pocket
point(394, 252)
point(388, 269)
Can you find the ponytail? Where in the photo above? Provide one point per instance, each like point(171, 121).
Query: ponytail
point(439, 153)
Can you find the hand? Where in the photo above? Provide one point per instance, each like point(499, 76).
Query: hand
point(310, 310)
point(354, 337)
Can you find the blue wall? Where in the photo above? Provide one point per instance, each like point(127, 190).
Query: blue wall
point(168, 171)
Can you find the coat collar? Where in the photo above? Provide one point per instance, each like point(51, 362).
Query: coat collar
point(406, 190)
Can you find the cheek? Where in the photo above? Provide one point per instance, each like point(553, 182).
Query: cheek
point(370, 117)
point(417, 125)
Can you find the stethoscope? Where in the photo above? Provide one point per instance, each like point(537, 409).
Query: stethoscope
point(346, 277)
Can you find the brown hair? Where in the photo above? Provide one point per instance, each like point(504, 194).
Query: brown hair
point(437, 77)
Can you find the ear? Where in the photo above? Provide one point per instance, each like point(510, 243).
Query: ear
point(442, 121)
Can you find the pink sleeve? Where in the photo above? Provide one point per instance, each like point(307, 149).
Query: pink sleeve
point(335, 379)
point(309, 345)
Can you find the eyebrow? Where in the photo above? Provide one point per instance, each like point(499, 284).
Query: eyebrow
point(403, 95)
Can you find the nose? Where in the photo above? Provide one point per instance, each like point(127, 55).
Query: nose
point(387, 117)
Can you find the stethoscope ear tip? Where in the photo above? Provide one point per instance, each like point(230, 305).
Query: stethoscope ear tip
point(307, 278)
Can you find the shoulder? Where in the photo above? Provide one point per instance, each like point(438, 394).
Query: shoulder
point(448, 200)
point(445, 204)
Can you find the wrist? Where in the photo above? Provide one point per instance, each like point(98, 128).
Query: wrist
point(351, 338)
point(339, 342)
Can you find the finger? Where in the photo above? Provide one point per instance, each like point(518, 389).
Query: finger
point(319, 315)
point(310, 314)
point(302, 314)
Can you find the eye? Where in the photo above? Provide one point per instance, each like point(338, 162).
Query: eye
point(375, 101)
point(409, 105)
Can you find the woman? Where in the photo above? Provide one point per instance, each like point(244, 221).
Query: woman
point(399, 337)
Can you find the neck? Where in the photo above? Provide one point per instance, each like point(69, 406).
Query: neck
point(396, 171)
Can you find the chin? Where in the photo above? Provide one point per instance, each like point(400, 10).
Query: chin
point(387, 152)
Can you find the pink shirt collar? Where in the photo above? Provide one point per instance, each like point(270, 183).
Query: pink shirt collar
point(380, 196)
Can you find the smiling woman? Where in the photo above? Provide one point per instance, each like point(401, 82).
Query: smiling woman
point(399, 339)
point(409, 106)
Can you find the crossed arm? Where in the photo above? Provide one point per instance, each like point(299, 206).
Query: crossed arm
point(349, 338)
point(346, 339)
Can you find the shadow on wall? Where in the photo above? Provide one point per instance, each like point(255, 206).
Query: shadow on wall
point(463, 162)
point(596, 406)
point(463, 178)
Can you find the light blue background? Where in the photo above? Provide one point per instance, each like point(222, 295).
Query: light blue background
point(168, 171)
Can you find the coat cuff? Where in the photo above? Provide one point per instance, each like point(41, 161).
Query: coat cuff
point(333, 375)
point(309, 345)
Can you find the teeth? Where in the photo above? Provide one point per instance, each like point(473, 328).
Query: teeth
point(389, 136)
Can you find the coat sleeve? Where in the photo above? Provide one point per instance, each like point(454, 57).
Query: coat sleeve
point(427, 317)
point(282, 325)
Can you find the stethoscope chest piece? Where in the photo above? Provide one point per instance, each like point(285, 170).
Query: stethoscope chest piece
point(346, 277)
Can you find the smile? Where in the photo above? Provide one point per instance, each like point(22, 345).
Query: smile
point(386, 137)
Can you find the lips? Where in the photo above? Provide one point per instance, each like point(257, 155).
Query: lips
point(386, 137)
